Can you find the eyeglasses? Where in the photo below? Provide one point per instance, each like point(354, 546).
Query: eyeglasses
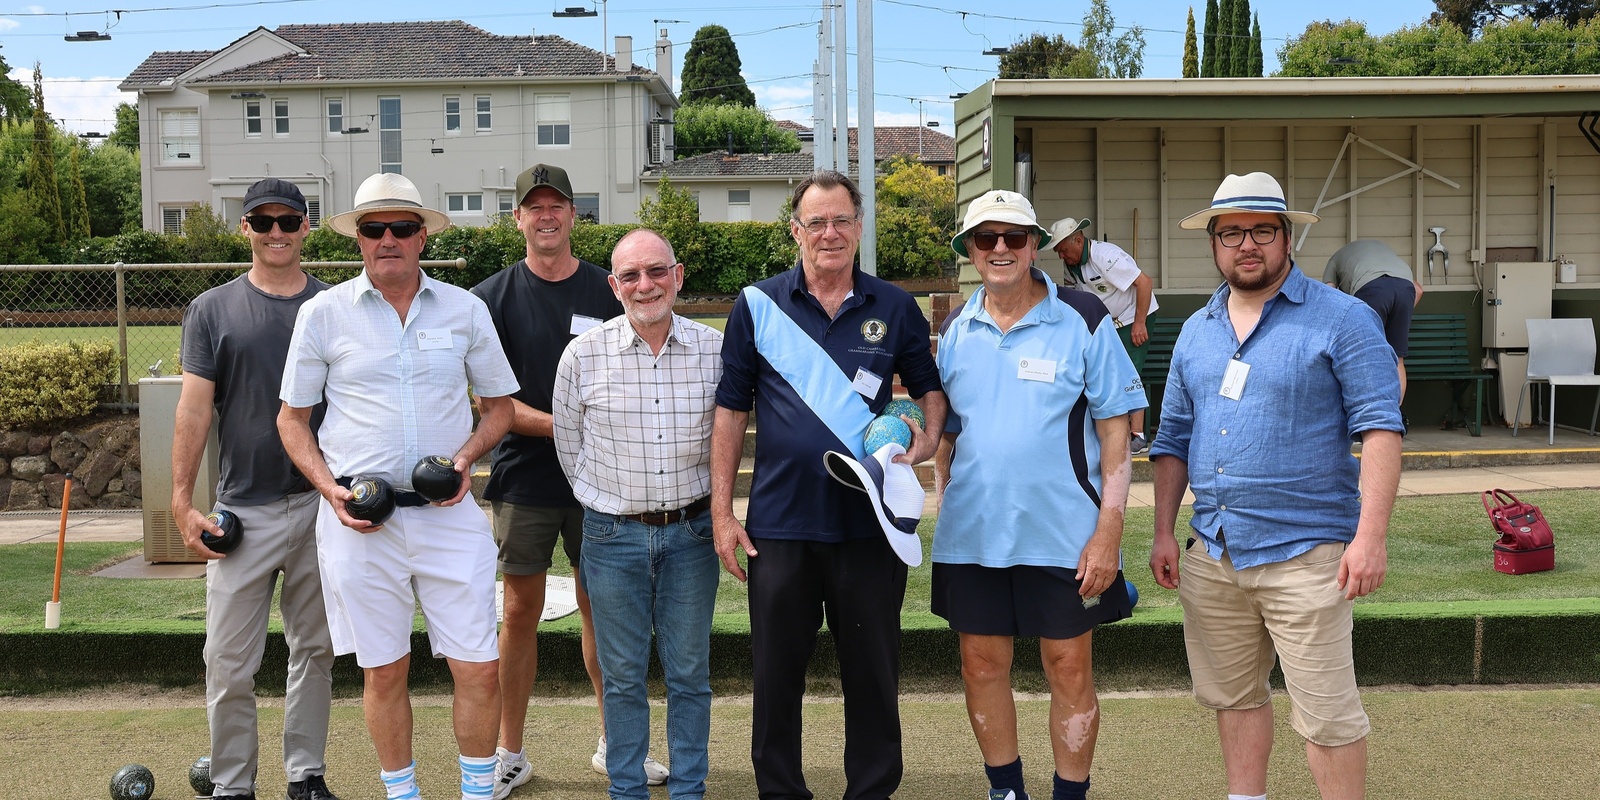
point(1260, 234)
point(817, 227)
point(986, 240)
point(402, 229)
point(657, 274)
point(261, 223)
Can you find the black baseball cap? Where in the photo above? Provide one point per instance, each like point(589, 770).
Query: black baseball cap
point(543, 175)
point(274, 190)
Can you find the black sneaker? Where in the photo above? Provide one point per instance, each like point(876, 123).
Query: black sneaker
point(312, 788)
point(233, 797)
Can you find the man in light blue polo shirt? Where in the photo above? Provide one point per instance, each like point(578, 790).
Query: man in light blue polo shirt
point(1041, 379)
point(1270, 382)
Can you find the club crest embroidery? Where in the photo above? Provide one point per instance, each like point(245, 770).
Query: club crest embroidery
point(873, 330)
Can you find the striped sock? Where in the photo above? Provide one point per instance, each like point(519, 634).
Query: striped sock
point(477, 777)
point(401, 784)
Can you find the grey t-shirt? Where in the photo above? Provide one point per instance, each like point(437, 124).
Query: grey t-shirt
point(237, 336)
point(1360, 261)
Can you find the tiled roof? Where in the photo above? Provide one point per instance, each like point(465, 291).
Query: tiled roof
point(166, 64)
point(892, 140)
point(409, 50)
point(743, 165)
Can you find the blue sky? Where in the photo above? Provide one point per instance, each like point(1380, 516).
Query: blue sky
point(926, 50)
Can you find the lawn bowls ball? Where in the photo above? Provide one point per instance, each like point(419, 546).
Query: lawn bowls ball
point(1133, 593)
point(371, 499)
point(435, 478)
point(905, 408)
point(133, 782)
point(886, 429)
point(232, 532)
point(200, 777)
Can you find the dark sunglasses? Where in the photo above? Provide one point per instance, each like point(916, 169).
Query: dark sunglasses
point(986, 240)
point(657, 274)
point(402, 229)
point(261, 223)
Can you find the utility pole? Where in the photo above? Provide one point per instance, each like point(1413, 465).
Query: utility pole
point(867, 156)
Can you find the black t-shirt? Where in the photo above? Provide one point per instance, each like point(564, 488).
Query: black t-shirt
point(535, 319)
point(237, 336)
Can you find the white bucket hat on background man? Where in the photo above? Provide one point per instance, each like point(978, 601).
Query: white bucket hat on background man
point(1066, 227)
point(387, 191)
point(998, 205)
point(1255, 193)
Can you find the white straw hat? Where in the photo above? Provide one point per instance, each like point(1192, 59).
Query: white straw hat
point(1255, 193)
point(998, 205)
point(387, 191)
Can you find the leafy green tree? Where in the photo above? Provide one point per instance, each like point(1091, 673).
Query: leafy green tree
point(1037, 55)
point(42, 162)
point(24, 234)
point(77, 198)
point(15, 102)
point(1257, 61)
point(1100, 55)
point(1513, 47)
point(703, 127)
point(126, 133)
point(916, 217)
point(673, 213)
point(1208, 59)
point(1472, 15)
point(711, 70)
point(1191, 50)
point(111, 190)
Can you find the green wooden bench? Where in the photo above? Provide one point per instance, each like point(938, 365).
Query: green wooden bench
point(1439, 351)
point(1158, 361)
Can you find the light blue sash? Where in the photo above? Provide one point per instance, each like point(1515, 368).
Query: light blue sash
point(810, 371)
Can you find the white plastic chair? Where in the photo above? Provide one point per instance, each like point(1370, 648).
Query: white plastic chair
point(1561, 353)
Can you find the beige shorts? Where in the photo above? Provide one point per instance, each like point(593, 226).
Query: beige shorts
point(526, 536)
point(1235, 621)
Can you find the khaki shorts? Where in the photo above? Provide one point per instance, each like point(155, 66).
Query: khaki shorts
point(1235, 621)
point(527, 536)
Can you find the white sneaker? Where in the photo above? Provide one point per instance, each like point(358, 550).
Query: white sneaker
point(509, 772)
point(655, 773)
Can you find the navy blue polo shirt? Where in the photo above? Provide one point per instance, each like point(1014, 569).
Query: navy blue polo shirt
point(879, 330)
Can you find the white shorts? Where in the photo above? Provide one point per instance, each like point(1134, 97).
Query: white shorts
point(441, 558)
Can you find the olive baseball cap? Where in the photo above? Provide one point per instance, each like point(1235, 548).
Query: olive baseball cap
point(543, 175)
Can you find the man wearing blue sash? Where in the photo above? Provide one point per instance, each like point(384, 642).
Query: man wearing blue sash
point(817, 348)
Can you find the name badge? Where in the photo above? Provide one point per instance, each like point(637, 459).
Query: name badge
point(434, 339)
point(581, 323)
point(866, 383)
point(1037, 369)
point(1233, 379)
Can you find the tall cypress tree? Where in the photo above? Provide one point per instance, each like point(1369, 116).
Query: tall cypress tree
point(79, 205)
point(42, 162)
point(711, 70)
point(1239, 54)
point(1191, 55)
point(1257, 63)
point(1224, 66)
point(1208, 58)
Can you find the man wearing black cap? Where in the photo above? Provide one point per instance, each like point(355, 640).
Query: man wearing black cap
point(538, 305)
point(235, 342)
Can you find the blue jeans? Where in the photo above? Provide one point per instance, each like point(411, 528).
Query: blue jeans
point(642, 577)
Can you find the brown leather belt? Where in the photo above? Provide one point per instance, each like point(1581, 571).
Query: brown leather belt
point(659, 518)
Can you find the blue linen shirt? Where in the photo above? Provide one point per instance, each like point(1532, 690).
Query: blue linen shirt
point(1025, 476)
point(1272, 471)
point(879, 328)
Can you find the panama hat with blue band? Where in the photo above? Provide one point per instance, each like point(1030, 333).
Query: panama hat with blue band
point(1255, 193)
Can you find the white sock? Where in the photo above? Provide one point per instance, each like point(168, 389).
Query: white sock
point(401, 784)
point(477, 777)
point(1247, 797)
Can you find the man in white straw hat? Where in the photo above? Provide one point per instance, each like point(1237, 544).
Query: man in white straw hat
point(1035, 377)
point(1270, 382)
point(1108, 272)
point(392, 351)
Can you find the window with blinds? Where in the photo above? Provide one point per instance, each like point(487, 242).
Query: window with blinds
point(553, 116)
point(180, 136)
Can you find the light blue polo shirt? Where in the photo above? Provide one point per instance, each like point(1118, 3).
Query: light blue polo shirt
point(1025, 474)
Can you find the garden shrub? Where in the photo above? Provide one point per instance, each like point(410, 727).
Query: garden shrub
point(53, 383)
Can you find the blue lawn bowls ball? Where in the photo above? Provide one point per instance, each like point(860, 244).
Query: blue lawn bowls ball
point(905, 408)
point(133, 782)
point(1133, 593)
point(200, 777)
point(886, 429)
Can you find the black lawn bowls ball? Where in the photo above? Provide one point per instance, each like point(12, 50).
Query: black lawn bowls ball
point(200, 777)
point(435, 478)
point(232, 532)
point(372, 499)
point(133, 782)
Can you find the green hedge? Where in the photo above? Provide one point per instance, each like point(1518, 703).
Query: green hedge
point(48, 383)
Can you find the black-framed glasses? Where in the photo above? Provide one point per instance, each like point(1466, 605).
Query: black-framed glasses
point(402, 229)
point(657, 274)
point(1260, 234)
point(262, 223)
point(987, 240)
point(817, 227)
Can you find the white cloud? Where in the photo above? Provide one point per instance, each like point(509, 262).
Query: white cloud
point(8, 24)
point(790, 101)
point(80, 105)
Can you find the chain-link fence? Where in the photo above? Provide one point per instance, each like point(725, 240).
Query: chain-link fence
point(137, 307)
